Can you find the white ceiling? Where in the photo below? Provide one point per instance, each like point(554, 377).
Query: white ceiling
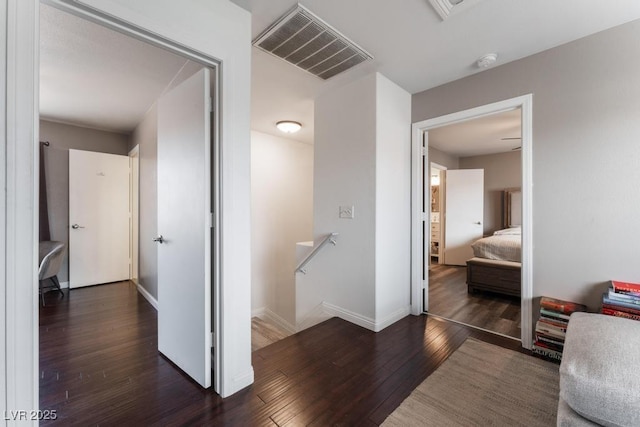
point(413, 47)
point(98, 78)
point(479, 136)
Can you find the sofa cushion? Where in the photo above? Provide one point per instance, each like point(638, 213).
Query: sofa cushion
point(567, 417)
point(600, 369)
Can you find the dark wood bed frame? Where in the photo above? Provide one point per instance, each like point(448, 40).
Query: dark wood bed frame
point(502, 277)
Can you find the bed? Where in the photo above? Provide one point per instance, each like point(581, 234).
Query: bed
point(496, 265)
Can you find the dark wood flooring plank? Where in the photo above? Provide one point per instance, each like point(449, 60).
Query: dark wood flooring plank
point(448, 297)
point(100, 366)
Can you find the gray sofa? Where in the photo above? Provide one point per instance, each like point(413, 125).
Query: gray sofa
point(600, 372)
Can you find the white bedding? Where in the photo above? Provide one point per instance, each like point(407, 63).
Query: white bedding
point(504, 245)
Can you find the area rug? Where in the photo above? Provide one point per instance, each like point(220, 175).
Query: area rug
point(483, 385)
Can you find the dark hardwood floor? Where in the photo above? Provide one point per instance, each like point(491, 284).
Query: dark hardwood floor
point(100, 366)
point(448, 297)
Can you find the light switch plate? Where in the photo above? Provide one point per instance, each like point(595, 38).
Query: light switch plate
point(346, 212)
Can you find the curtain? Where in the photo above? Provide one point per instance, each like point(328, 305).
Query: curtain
point(45, 234)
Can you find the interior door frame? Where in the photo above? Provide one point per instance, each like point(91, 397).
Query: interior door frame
point(134, 211)
point(443, 219)
point(420, 157)
point(19, 131)
point(116, 24)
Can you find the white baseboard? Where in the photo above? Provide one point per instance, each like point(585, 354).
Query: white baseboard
point(258, 312)
point(350, 316)
point(267, 314)
point(64, 285)
point(393, 318)
point(237, 383)
point(147, 295)
point(317, 315)
point(270, 315)
point(326, 310)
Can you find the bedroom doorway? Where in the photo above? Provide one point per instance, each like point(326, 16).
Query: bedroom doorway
point(164, 109)
point(443, 289)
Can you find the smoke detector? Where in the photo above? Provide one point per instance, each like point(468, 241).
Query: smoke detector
point(487, 60)
point(306, 41)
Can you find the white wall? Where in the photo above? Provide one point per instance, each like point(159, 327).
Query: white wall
point(63, 137)
point(145, 135)
point(281, 215)
point(586, 156)
point(502, 170)
point(344, 175)
point(393, 200)
point(443, 159)
point(362, 159)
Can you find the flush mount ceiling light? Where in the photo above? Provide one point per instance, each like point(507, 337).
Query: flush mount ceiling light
point(288, 126)
point(487, 60)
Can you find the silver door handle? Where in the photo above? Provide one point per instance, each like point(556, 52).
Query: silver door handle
point(478, 223)
point(159, 239)
point(76, 226)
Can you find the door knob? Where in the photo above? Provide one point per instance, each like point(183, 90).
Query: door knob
point(478, 223)
point(159, 239)
point(76, 226)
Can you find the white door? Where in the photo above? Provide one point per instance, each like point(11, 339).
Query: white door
point(134, 220)
point(98, 218)
point(184, 233)
point(464, 207)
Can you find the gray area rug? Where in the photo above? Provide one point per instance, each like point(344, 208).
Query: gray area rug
point(483, 385)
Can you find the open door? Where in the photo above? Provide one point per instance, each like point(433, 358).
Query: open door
point(98, 218)
point(184, 227)
point(464, 207)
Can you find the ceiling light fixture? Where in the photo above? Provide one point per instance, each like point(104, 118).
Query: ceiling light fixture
point(487, 60)
point(288, 126)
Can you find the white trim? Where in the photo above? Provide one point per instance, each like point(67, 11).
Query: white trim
point(276, 319)
point(64, 285)
point(258, 312)
point(524, 102)
point(92, 14)
point(134, 214)
point(349, 316)
point(417, 184)
point(4, 365)
point(315, 316)
point(392, 318)
point(145, 293)
point(360, 320)
point(241, 381)
point(20, 201)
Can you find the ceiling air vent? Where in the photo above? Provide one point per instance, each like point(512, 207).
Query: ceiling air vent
point(304, 40)
point(445, 8)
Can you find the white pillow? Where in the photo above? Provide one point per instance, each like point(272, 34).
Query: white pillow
point(509, 231)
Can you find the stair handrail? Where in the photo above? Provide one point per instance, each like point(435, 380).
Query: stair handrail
point(329, 238)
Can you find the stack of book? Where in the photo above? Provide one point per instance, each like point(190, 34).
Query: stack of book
point(622, 300)
point(551, 328)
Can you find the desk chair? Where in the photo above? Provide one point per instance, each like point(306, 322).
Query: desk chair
point(51, 255)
